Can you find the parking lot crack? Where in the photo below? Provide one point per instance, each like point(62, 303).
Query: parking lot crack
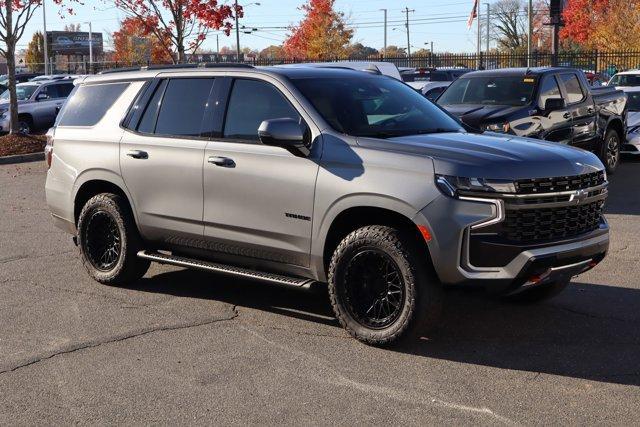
point(73, 348)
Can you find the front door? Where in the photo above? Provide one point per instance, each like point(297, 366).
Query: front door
point(258, 199)
point(555, 125)
point(161, 161)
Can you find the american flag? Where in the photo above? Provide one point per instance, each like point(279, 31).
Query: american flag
point(474, 13)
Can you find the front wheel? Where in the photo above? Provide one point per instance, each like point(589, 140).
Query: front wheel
point(610, 151)
point(381, 287)
point(109, 241)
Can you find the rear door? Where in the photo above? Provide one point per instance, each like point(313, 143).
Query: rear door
point(583, 114)
point(161, 160)
point(554, 125)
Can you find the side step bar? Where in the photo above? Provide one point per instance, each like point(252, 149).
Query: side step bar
point(225, 269)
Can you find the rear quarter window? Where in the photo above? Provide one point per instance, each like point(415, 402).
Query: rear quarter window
point(88, 105)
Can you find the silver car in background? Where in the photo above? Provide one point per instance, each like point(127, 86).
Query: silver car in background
point(632, 145)
point(38, 104)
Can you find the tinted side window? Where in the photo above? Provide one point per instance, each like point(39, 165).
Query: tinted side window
point(90, 103)
point(150, 115)
point(63, 90)
point(251, 103)
point(439, 76)
point(549, 89)
point(574, 90)
point(183, 106)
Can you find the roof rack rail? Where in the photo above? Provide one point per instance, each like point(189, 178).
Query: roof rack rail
point(226, 65)
point(179, 66)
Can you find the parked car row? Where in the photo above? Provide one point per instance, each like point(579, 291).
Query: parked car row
point(39, 99)
point(333, 174)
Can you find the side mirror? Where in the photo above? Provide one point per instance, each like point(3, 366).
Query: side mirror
point(286, 133)
point(554, 104)
point(41, 97)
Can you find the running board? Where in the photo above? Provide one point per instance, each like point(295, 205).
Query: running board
point(225, 269)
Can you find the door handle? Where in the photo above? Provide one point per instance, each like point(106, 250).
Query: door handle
point(221, 161)
point(567, 115)
point(138, 154)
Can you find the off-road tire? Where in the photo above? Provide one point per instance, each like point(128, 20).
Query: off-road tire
point(423, 295)
point(611, 159)
point(539, 293)
point(127, 268)
point(25, 125)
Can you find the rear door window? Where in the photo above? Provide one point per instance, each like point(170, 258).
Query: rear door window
point(251, 103)
point(573, 88)
point(183, 106)
point(89, 104)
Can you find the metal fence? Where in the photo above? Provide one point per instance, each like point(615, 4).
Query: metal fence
point(605, 63)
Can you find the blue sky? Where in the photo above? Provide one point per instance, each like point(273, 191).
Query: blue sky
point(440, 21)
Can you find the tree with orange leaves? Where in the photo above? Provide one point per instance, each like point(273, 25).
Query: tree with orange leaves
point(602, 24)
point(321, 34)
point(137, 43)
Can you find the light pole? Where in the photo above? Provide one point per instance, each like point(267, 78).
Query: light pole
point(488, 24)
point(384, 55)
point(46, 44)
point(90, 47)
point(530, 32)
point(238, 28)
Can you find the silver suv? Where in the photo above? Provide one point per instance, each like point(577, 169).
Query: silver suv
point(302, 175)
point(38, 104)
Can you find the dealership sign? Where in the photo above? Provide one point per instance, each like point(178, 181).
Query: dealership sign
point(73, 43)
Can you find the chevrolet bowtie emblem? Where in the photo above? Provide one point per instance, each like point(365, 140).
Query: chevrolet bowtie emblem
point(578, 196)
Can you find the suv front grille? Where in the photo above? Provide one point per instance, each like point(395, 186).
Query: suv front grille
point(562, 183)
point(539, 224)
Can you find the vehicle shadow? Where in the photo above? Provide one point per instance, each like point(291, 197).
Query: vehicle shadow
point(590, 331)
point(621, 185)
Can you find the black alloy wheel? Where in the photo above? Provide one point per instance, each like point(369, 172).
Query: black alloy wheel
point(375, 289)
point(102, 241)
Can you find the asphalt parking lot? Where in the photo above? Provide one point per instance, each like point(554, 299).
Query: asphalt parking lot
point(190, 347)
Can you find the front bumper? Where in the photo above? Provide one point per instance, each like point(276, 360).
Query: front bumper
point(632, 146)
point(450, 222)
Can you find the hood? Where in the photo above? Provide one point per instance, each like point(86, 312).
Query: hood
point(478, 115)
point(492, 156)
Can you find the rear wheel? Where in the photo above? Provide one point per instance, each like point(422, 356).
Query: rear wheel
point(540, 293)
point(109, 241)
point(381, 288)
point(610, 152)
point(25, 125)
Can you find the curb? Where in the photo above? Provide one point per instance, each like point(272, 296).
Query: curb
point(21, 158)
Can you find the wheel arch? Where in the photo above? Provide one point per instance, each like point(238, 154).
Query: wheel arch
point(354, 217)
point(91, 184)
point(617, 125)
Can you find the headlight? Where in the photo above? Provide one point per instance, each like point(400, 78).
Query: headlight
point(453, 185)
point(498, 127)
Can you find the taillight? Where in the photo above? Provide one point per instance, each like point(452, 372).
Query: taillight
point(48, 149)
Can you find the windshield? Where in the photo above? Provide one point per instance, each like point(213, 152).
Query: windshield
point(625, 80)
point(22, 92)
point(508, 90)
point(633, 101)
point(374, 106)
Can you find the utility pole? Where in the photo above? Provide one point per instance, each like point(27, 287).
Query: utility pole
point(406, 11)
point(217, 44)
point(488, 25)
point(384, 55)
point(237, 33)
point(46, 44)
point(530, 35)
point(90, 49)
